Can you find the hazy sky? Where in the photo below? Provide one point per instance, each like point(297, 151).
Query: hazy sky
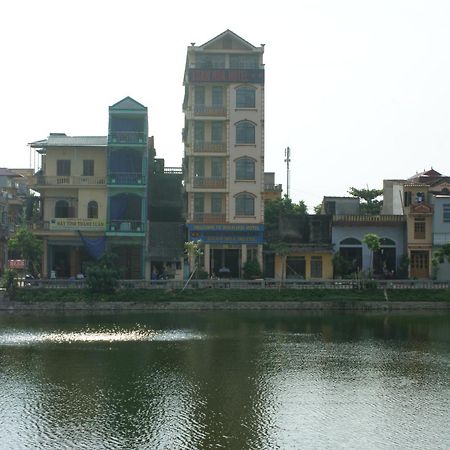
point(358, 89)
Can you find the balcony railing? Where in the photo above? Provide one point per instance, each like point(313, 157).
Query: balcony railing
point(209, 217)
point(126, 226)
point(127, 178)
point(210, 182)
point(360, 218)
point(127, 137)
point(441, 238)
point(273, 187)
point(68, 181)
point(202, 110)
point(210, 147)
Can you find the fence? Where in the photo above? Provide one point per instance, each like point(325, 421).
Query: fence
point(248, 284)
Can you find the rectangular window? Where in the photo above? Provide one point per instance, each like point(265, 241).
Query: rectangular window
point(245, 169)
point(217, 96)
point(199, 203)
point(419, 229)
point(407, 198)
point(63, 167)
point(199, 131)
point(316, 267)
point(446, 213)
point(295, 267)
point(88, 167)
point(210, 61)
point(244, 61)
point(217, 132)
point(199, 95)
point(216, 203)
point(245, 97)
point(199, 167)
point(245, 205)
point(216, 167)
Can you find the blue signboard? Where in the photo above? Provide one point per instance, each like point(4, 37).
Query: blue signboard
point(227, 233)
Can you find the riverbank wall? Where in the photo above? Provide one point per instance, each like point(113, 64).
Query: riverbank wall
point(11, 306)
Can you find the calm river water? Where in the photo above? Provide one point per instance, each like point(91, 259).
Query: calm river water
point(225, 380)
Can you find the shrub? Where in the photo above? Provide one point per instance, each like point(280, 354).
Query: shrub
point(9, 282)
point(252, 269)
point(102, 276)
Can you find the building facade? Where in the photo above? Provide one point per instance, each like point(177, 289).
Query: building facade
point(93, 196)
point(224, 151)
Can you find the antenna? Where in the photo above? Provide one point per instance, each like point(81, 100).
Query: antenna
point(287, 160)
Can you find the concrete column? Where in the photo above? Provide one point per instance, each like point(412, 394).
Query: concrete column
point(45, 269)
point(260, 256)
point(206, 256)
point(243, 254)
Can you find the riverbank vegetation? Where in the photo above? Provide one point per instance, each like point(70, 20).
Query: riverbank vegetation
point(230, 295)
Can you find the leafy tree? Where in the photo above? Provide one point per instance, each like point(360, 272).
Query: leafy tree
point(370, 204)
point(103, 275)
point(9, 282)
point(443, 253)
point(318, 209)
point(281, 249)
point(372, 241)
point(273, 209)
point(29, 247)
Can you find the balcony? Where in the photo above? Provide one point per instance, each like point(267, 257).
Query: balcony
point(216, 111)
point(126, 226)
point(67, 181)
point(273, 188)
point(127, 137)
point(209, 217)
point(210, 183)
point(127, 179)
point(210, 147)
point(383, 219)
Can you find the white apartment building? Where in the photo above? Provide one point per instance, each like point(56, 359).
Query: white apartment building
point(224, 151)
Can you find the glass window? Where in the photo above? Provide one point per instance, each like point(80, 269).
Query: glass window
point(244, 61)
point(446, 213)
point(199, 203)
point(216, 203)
point(199, 95)
point(63, 167)
point(199, 167)
point(407, 198)
point(62, 209)
point(88, 167)
point(216, 167)
point(316, 267)
point(92, 211)
point(217, 132)
point(419, 228)
point(217, 96)
point(245, 205)
point(245, 132)
point(245, 97)
point(245, 169)
point(199, 131)
point(210, 61)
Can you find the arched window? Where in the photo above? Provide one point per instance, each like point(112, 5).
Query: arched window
point(62, 209)
point(245, 132)
point(245, 97)
point(350, 241)
point(245, 169)
point(92, 210)
point(384, 242)
point(245, 204)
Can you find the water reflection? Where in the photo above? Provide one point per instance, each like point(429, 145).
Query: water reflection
point(225, 380)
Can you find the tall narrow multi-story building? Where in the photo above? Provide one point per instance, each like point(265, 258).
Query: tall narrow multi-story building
point(224, 151)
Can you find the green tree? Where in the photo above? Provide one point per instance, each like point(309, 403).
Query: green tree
point(370, 203)
point(273, 209)
point(443, 253)
point(251, 269)
point(318, 209)
point(282, 250)
point(372, 241)
point(29, 247)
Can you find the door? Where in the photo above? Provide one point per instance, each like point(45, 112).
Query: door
point(419, 264)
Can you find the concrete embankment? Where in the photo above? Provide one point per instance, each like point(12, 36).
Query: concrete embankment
point(11, 306)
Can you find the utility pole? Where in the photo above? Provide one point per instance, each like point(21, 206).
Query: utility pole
point(287, 160)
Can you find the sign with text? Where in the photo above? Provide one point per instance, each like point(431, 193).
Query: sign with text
point(227, 233)
point(226, 76)
point(73, 224)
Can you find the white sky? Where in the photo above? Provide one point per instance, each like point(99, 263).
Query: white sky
point(358, 89)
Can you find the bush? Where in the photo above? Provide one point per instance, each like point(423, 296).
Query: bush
point(9, 282)
point(103, 277)
point(252, 269)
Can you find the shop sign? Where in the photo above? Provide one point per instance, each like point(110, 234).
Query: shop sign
point(73, 224)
